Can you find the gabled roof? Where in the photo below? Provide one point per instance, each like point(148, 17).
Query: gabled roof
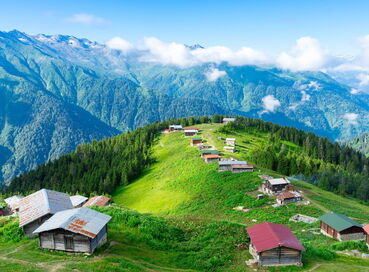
point(366, 228)
point(13, 201)
point(246, 166)
point(210, 152)
point(286, 195)
point(191, 130)
point(82, 220)
point(232, 163)
point(212, 156)
point(338, 221)
point(278, 181)
point(77, 200)
point(175, 126)
point(268, 235)
point(97, 201)
point(41, 203)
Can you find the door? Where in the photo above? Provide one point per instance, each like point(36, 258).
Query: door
point(68, 241)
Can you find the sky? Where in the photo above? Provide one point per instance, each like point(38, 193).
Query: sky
point(267, 25)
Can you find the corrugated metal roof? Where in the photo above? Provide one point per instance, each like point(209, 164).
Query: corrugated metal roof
point(210, 152)
point(175, 126)
point(97, 201)
point(338, 221)
point(268, 235)
point(81, 220)
point(246, 166)
point(212, 156)
point(278, 181)
point(13, 201)
point(232, 163)
point(191, 130)
point(41, 203)
point(288, 194)
point(77, 200)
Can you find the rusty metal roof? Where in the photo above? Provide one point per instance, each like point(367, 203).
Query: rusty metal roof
point(13, 201)
point(97, 201)
point(212, 156)
point(366, 228)
point(41, 203)
point(78, 200)
point(81, 220)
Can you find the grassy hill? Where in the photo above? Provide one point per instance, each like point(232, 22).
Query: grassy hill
point(178, 216)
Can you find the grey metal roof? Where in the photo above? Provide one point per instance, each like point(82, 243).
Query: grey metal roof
point(13, 201)
point(232, 162)
point(277, 181)
point(82, 220)
point(41, 203)
point(229, 119)
point(78, 200)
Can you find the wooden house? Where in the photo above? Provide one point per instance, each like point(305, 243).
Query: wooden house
point(229, 149)
point(275, 186)
point(228, 120)
point(209, 152)
point(13, 203)
point(196, 141)
point(97, 201)
point(211, 158)
point(175, 127)
point(166, 131)
point(79, 230)
point(230, 141)
point(274, 245)
point(366, 230)
point(288, 197)
point(240, 168)
point(78, 200)
point(340, 227)
point(227, 165)
point(190, 132)
point(36, 208)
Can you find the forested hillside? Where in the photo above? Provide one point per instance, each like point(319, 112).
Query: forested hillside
point(360, 143)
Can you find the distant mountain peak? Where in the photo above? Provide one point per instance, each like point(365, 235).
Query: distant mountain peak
point(194, 46)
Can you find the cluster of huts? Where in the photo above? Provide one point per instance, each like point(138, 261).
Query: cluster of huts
point(281, 187)
point(62, 222)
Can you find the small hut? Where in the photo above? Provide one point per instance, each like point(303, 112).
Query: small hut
point(288, 197)
point(97, 201)
point(228, 120)
point(211, 158)
point(366, 229)
point(229, 149)
point(196, 141)
point(209, 152)
point(79, 230)
point(230, 141)
point(190, 132)
point(175, 127)
point(78, 200)
point(13, 203)
point(36, 208)
point(275, 186)
point(227, 165)
point(274, 245)
point(166, 131)
point(240, 168)
point(340, 227)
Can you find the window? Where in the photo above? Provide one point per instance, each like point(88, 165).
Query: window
point(69, 242)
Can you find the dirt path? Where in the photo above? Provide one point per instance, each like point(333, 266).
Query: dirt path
point(304, 194)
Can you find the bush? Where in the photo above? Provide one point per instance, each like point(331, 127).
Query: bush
point(10, 231)
point(350, 245)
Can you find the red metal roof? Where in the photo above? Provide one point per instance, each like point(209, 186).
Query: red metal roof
point(366, 228)
point(191, 128)
point(268, 235)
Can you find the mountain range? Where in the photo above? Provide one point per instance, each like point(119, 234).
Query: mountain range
point(57, 91)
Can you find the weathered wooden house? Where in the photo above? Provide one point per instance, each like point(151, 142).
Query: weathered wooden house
point(227, 165)
point(196, 141)
point(274, 245)
point(13, 203)
point(36, 208)
point(190, 132)
point(340, 227)
point(211, 158)
point(230, 141)
point(366, 230)
point(228, 120)
point(175, 127)
point(209, 152)
point(79, 230)
point(288, 197)
point(229, 148)
point(97, 201)
point(240, 168)
point(78, 200)
point(275, 186)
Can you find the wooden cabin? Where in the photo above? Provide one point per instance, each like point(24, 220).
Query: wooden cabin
point(340, 227)
point(288, 197)
point(166, 131)
point(240, 168)
point(190, 132)
point(175, 127)
point(78, 200)
point(13, 203)
point(211, 158)
point(209, 152)
point(79, 230)
point(275, 186)
point(196, 141)
point(97, 201)
point(229, 149)
point(230, 141)
point(36, 208)
point(274, 245)
point(227, 165)
point(366, 230)
point(228, 120)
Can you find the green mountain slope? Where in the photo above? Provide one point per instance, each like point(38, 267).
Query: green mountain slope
point(192, 226)
point(360, 143)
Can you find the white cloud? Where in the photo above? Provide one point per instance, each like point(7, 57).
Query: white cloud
point(351, 118)
point(119, 44)
point(270, 104)
point(304, 98)
point(86, 19)
point(354, 91)
point(214, 73)
point(364, 80)
point(307, 54)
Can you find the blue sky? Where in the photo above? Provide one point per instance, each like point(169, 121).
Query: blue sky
point(268, 25)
